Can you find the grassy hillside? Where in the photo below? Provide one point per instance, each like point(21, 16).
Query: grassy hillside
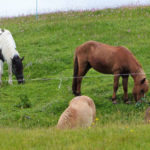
point(48, 46)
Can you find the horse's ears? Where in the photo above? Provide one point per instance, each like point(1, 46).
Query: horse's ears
point(143, 80)
point(22, 58)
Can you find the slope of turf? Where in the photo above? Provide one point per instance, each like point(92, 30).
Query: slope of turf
point(48, 46)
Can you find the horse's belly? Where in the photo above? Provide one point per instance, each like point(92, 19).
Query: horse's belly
point(102, 67)
point(102, 63)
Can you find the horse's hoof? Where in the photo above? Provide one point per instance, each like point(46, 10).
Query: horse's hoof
point(77, 94)
point(114, 101)
point(139, 101)
point(127, 102)
point(10, 82)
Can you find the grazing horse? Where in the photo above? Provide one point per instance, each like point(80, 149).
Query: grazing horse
point(9, 54)
point(116, 60)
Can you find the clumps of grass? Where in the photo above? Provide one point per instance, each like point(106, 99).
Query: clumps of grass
point(24, 102)
point(55, 107)
point(143, 104)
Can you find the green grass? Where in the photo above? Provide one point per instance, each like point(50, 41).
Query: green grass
point(109, 137)
point(48, 46)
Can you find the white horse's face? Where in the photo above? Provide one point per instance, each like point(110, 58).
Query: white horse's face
point(17, 68)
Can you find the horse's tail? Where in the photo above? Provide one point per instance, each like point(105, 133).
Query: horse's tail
point(75, 75)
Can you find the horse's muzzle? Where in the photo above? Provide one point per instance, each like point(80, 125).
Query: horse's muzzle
point(21, 81)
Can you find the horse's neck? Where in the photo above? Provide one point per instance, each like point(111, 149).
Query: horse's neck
point(8, 55)
point(138, 74)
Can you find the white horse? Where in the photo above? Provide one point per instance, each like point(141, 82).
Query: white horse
point(9, 54)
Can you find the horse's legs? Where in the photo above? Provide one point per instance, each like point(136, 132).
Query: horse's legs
point(83, 69)
point(10, 73)
point(1, 71)
point(125, 88)
point(116, 82)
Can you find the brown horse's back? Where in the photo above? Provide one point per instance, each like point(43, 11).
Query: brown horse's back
point(108, 59)
point(105, 58)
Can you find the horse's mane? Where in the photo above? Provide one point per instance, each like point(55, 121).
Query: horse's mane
point(16, 59)
point(139, 67)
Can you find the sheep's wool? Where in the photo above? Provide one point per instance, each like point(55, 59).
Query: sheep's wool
point(80, 113)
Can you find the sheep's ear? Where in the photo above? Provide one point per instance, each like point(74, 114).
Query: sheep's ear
point(143, 80)
point(22, 58)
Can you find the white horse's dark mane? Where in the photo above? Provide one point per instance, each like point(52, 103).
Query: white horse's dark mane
point(1, 55)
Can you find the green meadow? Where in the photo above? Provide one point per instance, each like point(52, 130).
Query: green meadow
point(29, 112)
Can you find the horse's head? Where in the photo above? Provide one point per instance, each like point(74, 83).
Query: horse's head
point(17, 68)
point(140, 88)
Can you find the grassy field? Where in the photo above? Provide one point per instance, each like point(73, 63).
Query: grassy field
point(109, 137)
point(48, 46)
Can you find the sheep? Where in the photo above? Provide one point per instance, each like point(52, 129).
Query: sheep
point(81, 112)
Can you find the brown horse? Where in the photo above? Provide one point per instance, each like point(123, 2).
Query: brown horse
point(108, 59)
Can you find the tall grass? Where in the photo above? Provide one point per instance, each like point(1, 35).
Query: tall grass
point(110, 136)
